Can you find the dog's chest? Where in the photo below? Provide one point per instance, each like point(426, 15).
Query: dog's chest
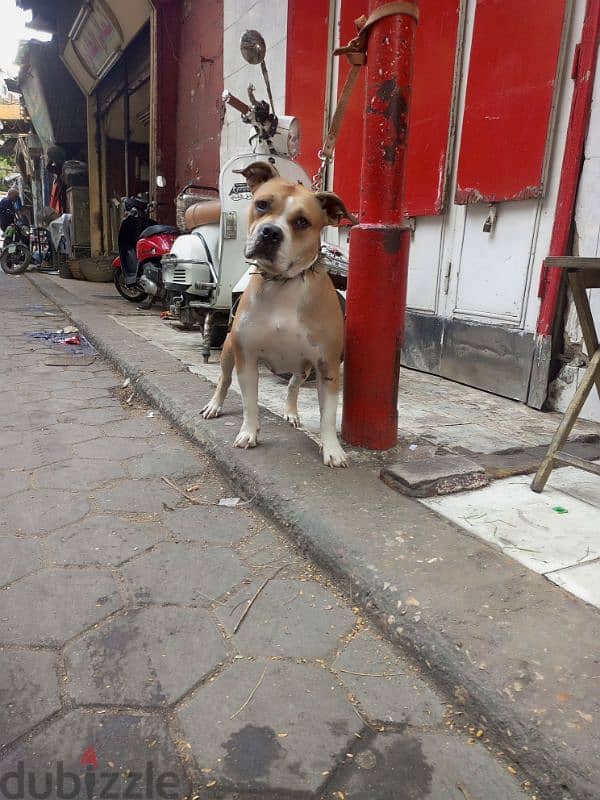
point(277, 335)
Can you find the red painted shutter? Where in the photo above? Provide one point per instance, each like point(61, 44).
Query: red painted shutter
point(433, 81)
point(435, 51)
point(431, 105)
point(512, 74)
point(306, 74)
point(348, 151)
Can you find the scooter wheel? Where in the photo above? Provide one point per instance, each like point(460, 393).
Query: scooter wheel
point(131, 293)
point(16, 262)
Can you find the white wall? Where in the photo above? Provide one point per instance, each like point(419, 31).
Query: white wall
point(270, 19)
point(586, 243)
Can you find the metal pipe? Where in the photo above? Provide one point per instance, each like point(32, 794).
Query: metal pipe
point(379, 245)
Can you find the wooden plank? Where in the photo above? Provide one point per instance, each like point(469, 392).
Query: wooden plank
point(572, 262)
point(585, 316)
point(575, 461)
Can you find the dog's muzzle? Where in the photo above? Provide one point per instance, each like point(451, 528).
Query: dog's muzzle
point(266, 242)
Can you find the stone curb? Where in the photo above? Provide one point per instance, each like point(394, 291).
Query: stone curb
point(343, 518)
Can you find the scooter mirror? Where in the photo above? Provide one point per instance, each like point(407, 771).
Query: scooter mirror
point(253, 47)
point(160, 181)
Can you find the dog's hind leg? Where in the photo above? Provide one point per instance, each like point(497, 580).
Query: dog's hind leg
point(213, 407)
point(291, 403)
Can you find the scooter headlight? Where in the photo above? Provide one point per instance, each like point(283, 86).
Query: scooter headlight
point(294, 138)
point(287, 138)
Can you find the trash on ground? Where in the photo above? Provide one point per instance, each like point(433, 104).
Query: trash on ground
point(230, 502)
point(126, 383)
point(560, 510)
point(69, 337)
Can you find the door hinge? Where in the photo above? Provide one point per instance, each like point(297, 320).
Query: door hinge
point(446, 278)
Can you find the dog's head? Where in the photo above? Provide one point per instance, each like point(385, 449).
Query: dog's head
point(286, 219)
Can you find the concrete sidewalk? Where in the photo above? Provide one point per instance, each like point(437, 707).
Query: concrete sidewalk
point(155, 644)
point(485, 626)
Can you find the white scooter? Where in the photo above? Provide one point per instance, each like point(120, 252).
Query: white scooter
point(206, 271)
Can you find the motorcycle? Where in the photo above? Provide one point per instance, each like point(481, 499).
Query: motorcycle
point(206, 271)
point(16, 253)
point(137, 270)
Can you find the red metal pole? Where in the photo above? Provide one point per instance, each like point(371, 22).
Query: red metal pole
point(379, 245)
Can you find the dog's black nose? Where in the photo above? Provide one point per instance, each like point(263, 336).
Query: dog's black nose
point(271, 233)
point(266, 242)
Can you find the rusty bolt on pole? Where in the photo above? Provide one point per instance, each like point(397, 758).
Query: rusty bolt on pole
point(379, 245)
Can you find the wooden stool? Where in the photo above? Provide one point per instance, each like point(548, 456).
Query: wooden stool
point(582, 273)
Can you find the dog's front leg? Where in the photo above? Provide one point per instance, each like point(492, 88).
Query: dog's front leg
point(328, 380)
point(247, 372)
point(291, 404)
point(214, 406)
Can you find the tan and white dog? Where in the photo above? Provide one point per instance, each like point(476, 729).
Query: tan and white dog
point(289, 316)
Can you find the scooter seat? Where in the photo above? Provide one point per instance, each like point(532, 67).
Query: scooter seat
point(154, 230)
point(205, 212)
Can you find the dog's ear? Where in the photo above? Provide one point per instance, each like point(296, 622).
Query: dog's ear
point(334, 208)
point(257, 173)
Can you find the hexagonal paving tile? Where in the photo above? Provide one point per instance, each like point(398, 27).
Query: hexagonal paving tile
point(28, 691)
point(12, 481)
point(96, 415)
point(182, 573)
point(83, 391)
point(137, 426)
point(169, 459)
point(249, 705)
point(104, 539)
point(80, 474)
point(137, 497)
point(147, 657)
point(42, 510)
point(133, 753)
point(18, 557)
point(114, 448)
point(72, 433)
point(217, 525)
point(36, 450)
point(265, 548)
point(433, 765)
point(401, 696)
point(290, 618)
point(52, 606)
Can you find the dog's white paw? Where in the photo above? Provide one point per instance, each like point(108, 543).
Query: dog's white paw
point(246, 439)
point(334, 456)
point(211, 410)
point(293, 419)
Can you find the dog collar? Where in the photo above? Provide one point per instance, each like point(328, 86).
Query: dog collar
point(268, 277)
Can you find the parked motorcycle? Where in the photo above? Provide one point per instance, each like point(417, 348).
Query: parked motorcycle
point(16, 253)
point(204, 271)
point(137, 270)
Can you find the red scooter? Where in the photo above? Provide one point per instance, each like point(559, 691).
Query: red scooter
point(137, 270)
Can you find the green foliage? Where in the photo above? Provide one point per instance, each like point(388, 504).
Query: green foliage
point(7, 165)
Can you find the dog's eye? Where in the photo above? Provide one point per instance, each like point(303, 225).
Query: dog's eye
point(301, 223)
point(261, 206)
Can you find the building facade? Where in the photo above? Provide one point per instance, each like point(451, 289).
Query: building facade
point(491, 132)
